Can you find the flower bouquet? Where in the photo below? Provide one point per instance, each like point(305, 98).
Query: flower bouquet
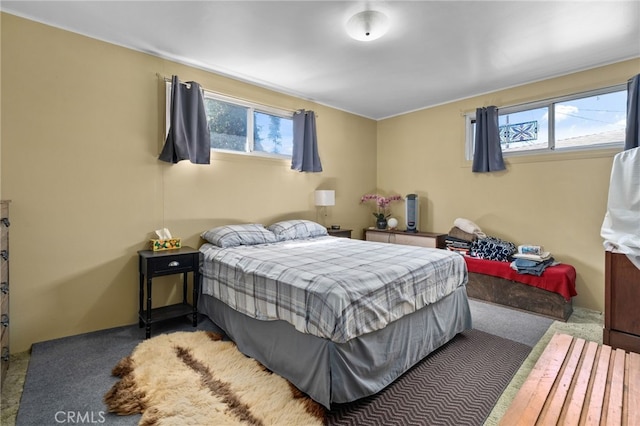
point(382, 203)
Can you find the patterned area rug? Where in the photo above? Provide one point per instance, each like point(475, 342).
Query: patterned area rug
point(206, 380)
point(457, 384)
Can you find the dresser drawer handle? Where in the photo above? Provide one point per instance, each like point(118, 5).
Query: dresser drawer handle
point(5, 353)
point(4, 287)
point(4, 254)
point(5, 320)
point(174, 263)
point(5, 222)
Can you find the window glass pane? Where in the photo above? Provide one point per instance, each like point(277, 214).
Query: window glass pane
point(590, 121)
point(227, 125)
point(272, 134)
point(524, 130)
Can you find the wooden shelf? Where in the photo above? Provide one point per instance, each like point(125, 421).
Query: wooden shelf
point(167, 312)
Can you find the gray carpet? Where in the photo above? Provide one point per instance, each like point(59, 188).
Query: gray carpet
point(511, 324)
point(68, 377)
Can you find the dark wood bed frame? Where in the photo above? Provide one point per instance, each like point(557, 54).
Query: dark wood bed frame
point(519, 296)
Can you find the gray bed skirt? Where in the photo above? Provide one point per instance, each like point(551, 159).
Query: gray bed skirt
point(341, 372)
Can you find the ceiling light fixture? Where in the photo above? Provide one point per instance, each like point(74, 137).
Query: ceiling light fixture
point(368, 25)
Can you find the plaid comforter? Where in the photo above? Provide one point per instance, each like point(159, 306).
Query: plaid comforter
point(334, 288)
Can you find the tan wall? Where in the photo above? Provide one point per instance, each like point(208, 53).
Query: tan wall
point(82, 126)
point(1, 111)
point(558, 201)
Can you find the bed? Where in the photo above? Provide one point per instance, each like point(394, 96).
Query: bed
point(339, 318)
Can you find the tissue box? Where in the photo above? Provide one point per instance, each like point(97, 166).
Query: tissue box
point(170, 244)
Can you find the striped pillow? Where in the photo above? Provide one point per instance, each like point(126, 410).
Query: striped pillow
point(297, 229)
point(238, 235)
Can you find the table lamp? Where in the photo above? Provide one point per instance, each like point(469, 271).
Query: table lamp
point(324, 198)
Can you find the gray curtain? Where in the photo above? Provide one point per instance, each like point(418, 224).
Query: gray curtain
point(188, 137)
point(632, 139)
point(487, 155)
point(305, 156)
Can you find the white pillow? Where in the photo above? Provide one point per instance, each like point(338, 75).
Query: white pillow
point(237, 235)
point(297, 229)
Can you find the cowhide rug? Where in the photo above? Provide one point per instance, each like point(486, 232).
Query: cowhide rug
point(197, 378)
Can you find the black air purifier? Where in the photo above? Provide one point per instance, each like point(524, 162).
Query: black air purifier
point(412, 212)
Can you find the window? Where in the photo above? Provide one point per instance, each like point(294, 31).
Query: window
point(243, 127)
point(591, 120)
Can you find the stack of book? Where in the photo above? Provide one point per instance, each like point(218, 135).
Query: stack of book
point(458, 245)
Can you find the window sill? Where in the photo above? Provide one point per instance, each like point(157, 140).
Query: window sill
point(247, 156)
point(556, 156)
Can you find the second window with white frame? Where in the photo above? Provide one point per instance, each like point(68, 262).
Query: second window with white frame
point(589, 120)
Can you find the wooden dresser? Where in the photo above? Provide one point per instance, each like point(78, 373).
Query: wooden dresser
point(621, 298)
point(4, 286)
point(422, 239)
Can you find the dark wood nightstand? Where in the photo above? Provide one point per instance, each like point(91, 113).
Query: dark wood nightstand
point(158, 263)
point(343, 233)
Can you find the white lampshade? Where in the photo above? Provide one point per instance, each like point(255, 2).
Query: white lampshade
point(368, 25)
point(326, 197)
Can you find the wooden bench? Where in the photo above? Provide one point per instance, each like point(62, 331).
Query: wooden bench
point(518, 296)
point(549, 295)
point(576, 382)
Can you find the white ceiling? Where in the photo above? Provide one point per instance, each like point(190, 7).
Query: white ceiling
point(433, 53)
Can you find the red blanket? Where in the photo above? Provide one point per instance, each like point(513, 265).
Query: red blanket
point(559, 279)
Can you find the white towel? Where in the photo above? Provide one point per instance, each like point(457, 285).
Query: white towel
point(469, 227)
point(621, 225)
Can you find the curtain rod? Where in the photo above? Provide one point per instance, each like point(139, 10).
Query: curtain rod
point(168, 80)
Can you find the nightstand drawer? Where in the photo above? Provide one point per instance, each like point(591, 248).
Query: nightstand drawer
point(4, 303)
point(171, 264)
point(4, 328)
